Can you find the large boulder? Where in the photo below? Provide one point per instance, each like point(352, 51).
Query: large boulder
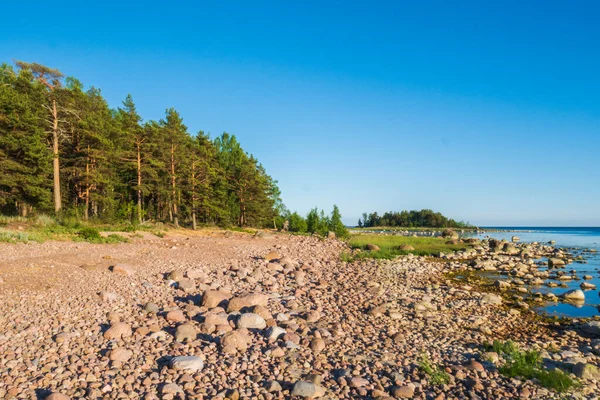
point(307, 389)
point(574, 295)
point(372, 247)
point(591, 328)
point(215, 298)
point(251, 321)
point(246, 301)
point(586, 371)
point(117, 331)
point(449, 234)
point(556, 262)
point(233, 341)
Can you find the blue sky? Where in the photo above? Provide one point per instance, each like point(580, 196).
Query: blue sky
point(488, 113)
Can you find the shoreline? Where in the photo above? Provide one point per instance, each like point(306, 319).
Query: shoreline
point(326, 327)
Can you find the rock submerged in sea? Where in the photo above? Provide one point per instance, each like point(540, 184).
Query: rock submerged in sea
point(574, 295)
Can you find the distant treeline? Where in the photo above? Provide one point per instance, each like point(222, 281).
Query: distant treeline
point(410, 219)
point(316, 222)
point(63, 150)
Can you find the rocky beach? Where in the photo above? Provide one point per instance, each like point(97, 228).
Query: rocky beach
point(228, 315)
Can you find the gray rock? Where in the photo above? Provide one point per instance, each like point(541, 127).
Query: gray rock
point(307, 389)
point(186, 363)
point(251, 321)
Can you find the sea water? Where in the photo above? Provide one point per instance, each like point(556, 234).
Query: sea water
point(576, 240)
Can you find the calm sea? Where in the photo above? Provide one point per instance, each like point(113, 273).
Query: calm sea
point(577, 240)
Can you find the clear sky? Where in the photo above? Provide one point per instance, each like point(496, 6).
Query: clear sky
point(488, 113)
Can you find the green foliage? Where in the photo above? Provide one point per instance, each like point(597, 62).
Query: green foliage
point(390, 246)
point(114, 167)
point(528, 365)
point(297, 223)
point(407, 219)
point(436, 375)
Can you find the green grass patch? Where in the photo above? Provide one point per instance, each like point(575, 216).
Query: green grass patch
point(436, 375)
point(527, 364)
point(390, 246)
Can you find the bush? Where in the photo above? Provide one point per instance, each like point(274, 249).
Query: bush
point(90, 235)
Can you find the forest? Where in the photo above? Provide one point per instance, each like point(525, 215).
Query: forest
point(64, 151)
point(409, 219)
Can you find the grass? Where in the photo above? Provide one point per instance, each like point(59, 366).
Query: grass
point(527, 364)
point(389, 246)
point(436, 375)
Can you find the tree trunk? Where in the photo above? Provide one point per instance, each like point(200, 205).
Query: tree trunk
point(139, 183)
point(193, 195)
point(56, 167)
point(174, 187)
point(87, 187)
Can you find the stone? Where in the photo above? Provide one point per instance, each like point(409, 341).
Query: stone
point(186, 363)
point(492, 299)
point(358, 382)
point(122, 269)
point(307, 389)
point(274, 333)
point(272, 256)
point(248, 300)
point(186, 284)
point(586, 371)
point(406, 247)
point(233, 341)
point(555, 262)
point(404, 392)
point(197, 273)
point(251, 321)
point(372, 247)
point(185, 333)
point(57, 396)
point(575, 295)
point(273, 386)
point(587, 286)
point(317, 345)
point(108, 296)
point(591, 328)
point(171, 389)
point(175, 275)
point(175, 316)
point(120, 354)
point(151, 308)
point(117, 331)
point(215, 298)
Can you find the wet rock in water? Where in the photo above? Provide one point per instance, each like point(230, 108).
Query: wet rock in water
point(586, 371)
point(574, 295)
point(122, 269)
point(117, 331)
point(587, 286)
point(185, 332)
point(251, 321)
point(373, 247)
point(186, 363)
point(307, 389)
point(215, 298)
point(515, 239)
point(556, 262)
